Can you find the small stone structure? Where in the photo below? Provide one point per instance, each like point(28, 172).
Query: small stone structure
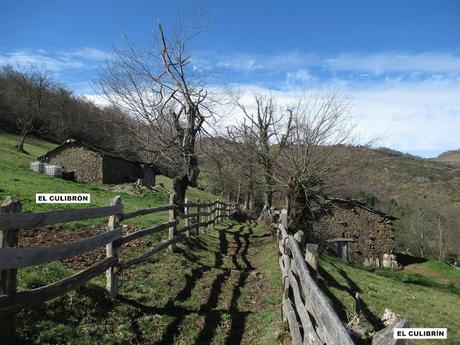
point(91, 165)
point(370, 233)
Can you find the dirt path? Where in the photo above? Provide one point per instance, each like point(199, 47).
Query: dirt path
point(222, 286)
point(236, 294)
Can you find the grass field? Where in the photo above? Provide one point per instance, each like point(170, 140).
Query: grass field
point(222, 287)
point(17, 180)
point(424, 300)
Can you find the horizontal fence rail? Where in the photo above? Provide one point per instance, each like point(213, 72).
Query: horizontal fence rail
point(17, 221)
point(12, 257)
point(307, 312)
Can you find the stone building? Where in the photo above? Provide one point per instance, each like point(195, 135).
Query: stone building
point(86, 164)
point(372, 231)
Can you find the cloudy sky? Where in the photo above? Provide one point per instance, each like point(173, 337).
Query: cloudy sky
point(398, 61)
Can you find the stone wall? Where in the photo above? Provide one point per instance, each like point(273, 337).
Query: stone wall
point(374, 234)
point(86, 164)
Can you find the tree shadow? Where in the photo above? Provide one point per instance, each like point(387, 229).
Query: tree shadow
point(208, 309)
point(351, 288)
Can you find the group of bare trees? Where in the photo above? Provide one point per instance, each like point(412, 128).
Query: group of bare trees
point(275, 151)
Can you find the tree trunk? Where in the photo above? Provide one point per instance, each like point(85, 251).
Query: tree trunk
point(441, 241)
point(180, 185)
point(22, 139)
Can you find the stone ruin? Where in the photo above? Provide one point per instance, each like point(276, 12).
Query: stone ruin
point(368, 233)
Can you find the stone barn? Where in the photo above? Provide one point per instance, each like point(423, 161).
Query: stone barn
point(86, 164)
point(371, 230)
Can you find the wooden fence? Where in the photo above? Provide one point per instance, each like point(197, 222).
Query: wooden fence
point(307, 313)
point(12, 220)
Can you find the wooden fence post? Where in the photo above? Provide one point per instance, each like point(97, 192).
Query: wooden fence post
point(187, 220)
point(8, 279)
point(284, 218)
point(311, 257)
point(213, 213)
point(111, 249)
point(198, 218)
point(172, 228)
point(208, 217)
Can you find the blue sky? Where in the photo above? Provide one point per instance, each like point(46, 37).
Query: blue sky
point(399, 61)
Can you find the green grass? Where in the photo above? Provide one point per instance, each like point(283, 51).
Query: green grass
point(192, 296)
point(445, 269)
point(17, 180)
point(422, 300)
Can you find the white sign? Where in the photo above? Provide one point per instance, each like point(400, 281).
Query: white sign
point(62, 198)
point(420, 333)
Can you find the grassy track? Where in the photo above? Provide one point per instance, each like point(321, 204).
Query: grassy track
point(222, 287)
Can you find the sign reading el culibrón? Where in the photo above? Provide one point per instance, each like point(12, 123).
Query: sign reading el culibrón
point(62, 198)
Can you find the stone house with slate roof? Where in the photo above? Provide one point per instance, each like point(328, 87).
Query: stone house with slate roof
point(86, 164)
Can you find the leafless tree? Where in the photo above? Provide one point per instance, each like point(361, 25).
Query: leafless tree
point(160, 89)
point(262, 127)
point(321, 128)
point(30, 87)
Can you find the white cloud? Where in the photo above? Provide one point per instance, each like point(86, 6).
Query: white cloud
point(410, 117)
point(299, 76)
point(83, 58)
point(89, 54)
point(374, 63)
point(53, 64)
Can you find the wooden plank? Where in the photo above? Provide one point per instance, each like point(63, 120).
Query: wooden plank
point(310, 336)
point(289, 315)
point(385, 336)
point(188, 228)
point(34, 220)
point(148, 231)
point(144, 211)
point(173, 227)
point(196, 214)
point(30, 298)
point(334, 331)
point(186, 217)
point(8, 278)
point(22, 257)
point(111, 249)
point(146, 255)
point(198, 204)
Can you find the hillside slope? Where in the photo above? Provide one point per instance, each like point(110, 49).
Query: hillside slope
point(424, 194)
point(425, 302)
point(17, 180)
point(451, 158)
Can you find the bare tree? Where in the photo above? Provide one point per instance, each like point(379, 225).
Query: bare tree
point(310, 166)
point(158, 88)
point(263, 125)
point(30, 87)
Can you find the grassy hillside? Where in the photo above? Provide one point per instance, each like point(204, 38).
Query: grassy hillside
point(221, 287)
point(17, 180)
point(418, 191)
point(451, 158)
point(425, 301)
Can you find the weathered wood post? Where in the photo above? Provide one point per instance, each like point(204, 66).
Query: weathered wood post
point(172, 228)
point(8, 278)
point(208, 217)
point(111, 249)
point(311, 257)
point(187, 220)
point(284, 218)
point(213, 214)
point(198, 218)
